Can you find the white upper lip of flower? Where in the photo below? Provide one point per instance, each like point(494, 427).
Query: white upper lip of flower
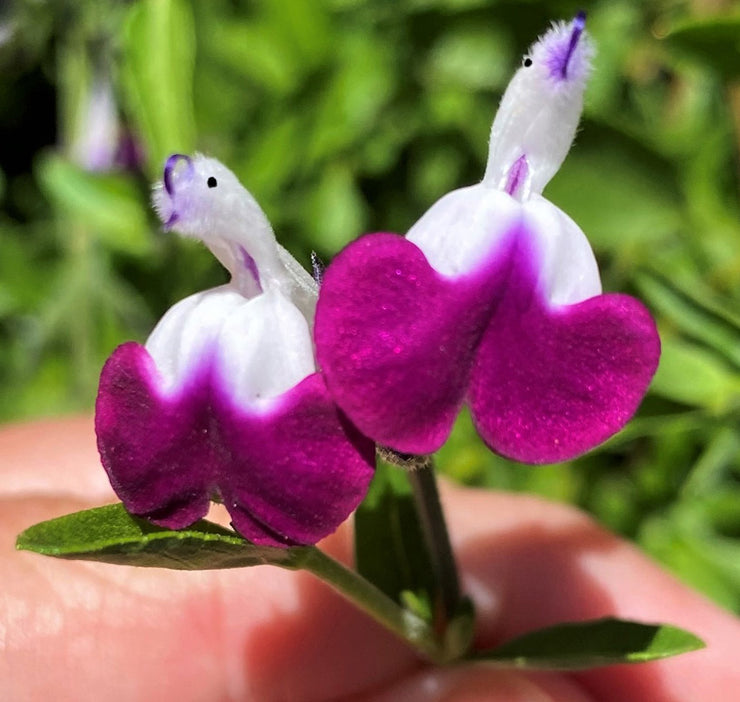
point(256, 330)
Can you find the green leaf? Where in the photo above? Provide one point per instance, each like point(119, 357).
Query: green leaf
point(335, 209)
point(691, 374)
point(389, 543)
point(475, 56)
point(157, 72)
point(630, 212)
point(589, 644)
point(111, 535)
point(714, 40)
point(704, 319)
point(108, 204)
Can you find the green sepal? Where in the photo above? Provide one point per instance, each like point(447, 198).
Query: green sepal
point(591, 644)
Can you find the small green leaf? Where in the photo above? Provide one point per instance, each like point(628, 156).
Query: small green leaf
point(111, 535)
point(589, 644)
point(389, 543)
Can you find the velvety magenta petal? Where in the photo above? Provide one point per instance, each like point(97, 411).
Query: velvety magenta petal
point(152, 447)
point(299, 469)
point(551, 383)
point(289, 474)
point(396, 340)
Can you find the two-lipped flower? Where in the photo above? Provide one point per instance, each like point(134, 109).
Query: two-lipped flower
point(493, 298)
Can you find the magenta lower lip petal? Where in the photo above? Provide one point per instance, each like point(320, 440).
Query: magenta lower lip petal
point(288, 476)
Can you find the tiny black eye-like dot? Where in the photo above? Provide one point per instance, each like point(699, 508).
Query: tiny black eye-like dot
point(527, 62)
point(211, 182)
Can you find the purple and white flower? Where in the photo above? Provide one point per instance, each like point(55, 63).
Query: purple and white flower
point(493, 298)
point(224, 401)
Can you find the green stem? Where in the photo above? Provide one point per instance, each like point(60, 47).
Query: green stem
point(372, 601)
point(426, 496)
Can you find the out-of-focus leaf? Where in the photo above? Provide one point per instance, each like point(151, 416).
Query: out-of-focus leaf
point(690, 374)
point(712, 201)
point(267, 176)
point(472, 57)
point(157, 72)
point(363, 83)
point(714, 40)
point(305, 26)
point(708, 472)
point(435, 172)
point(616, 198)
point(710, 324)
point(580, 645)
point(257, 53)
point(108, 205)
point(615, 27)
point(336, 210)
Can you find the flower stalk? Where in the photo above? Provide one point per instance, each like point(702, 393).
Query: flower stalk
point(434, 528)
point(365, 596)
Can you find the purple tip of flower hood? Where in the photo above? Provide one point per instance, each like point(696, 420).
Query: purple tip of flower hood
point(287, 475)
point(169, 170)
point(551, 383)
point(561, 48)
point(401, 346)
point(579, 24)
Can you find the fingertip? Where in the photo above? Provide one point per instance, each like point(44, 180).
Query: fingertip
point(52, 457)
point(481, 684)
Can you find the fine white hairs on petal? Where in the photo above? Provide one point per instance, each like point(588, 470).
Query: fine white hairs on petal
point(200, 198)
point(539, 112)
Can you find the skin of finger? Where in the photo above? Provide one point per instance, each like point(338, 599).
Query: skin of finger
point(531, 564)
point(52, 457)
point(526, 563)
point(479, 684)
point(97, 630)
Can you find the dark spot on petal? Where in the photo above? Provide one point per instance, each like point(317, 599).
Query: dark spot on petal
point(212, 182)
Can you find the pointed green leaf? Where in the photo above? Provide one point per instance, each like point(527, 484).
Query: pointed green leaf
point(590, 644)
point(389, 544)
point(111, 535)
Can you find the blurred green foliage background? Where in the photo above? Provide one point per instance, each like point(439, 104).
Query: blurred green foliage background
point(346, 116)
